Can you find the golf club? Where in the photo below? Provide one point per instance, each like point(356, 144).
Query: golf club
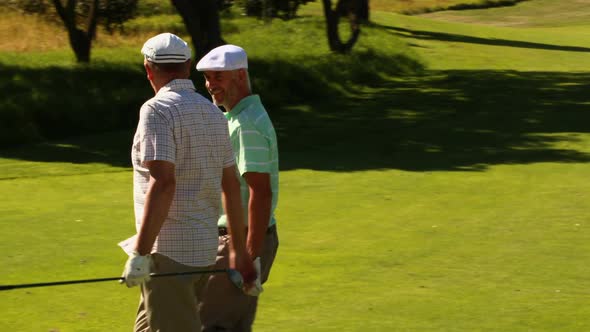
point(233, 275)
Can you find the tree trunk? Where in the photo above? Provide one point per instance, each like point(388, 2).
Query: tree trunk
point(80, 40)
point(363, 11)
point(81, 44)
point(343, 7)
point(201, 19)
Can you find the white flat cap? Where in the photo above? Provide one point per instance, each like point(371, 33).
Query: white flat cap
point(226, 57)
point(166, 48)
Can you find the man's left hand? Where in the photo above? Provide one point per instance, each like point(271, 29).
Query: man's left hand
point(256, 289)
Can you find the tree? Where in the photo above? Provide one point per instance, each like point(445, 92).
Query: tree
point(113, 13)
point(81, 18)
point(201, 19)
point(357, 11)
point(79, 33)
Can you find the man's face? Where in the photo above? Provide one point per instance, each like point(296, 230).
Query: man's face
point(222, 86)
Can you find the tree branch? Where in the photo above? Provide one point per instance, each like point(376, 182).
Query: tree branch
point(59, 8)
point(92, 19)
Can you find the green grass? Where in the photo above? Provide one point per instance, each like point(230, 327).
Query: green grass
point(538, 13)
point(63, 228)
point(450, 45)
point(394, 250)
point(421, 6)
point(480, 251)
point(432, 181)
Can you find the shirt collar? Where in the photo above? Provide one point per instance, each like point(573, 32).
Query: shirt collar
point(242, 105)
point(177, 85)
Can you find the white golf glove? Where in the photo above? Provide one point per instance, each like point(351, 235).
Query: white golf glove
point(137, 269)
point(257, 288)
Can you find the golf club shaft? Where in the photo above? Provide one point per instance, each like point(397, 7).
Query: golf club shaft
point(83, 281)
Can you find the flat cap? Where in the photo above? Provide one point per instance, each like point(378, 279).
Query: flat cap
point(166, 48)
point(222, 58)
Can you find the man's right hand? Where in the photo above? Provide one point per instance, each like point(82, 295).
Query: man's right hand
point(137, 270)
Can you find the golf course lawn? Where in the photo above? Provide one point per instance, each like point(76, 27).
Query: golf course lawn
point(449, 196)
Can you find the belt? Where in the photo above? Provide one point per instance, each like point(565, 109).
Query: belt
point(223, 230)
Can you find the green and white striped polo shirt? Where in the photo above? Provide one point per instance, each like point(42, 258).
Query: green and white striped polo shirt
point(254, 143)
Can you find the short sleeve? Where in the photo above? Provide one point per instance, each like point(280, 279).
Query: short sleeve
point(229, 158)
point(156, 136)
point(254, 154)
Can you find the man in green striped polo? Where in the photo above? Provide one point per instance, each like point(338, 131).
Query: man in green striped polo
point(223, 307)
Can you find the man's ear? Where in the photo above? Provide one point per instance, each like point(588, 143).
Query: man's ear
point(242, 74)
point(148, 70)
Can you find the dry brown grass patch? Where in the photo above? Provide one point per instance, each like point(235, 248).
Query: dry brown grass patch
point(26, 33)
point(31, 33)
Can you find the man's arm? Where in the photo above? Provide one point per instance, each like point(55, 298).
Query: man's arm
point(232, 205)
point(259, 208)
point(158, 199)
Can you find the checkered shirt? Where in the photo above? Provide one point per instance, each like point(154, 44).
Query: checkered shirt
point(180, 126)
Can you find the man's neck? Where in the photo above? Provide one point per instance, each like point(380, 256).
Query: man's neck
point(162, 83)
point(243, 96)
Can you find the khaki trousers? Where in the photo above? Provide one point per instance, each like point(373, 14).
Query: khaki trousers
point(169, 304)
point(224, 307)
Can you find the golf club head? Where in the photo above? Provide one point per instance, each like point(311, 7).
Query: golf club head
point(236, 278)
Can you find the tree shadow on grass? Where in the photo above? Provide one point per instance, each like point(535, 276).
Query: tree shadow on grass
point(112, 148)
point(63, 112)
point(452, 120)
point(448, 37)
point(401, 117)
point(56, 102)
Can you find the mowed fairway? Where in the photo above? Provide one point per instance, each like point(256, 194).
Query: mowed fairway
point(452, 199)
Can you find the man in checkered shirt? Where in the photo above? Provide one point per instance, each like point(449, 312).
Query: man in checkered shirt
point(182, 163)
